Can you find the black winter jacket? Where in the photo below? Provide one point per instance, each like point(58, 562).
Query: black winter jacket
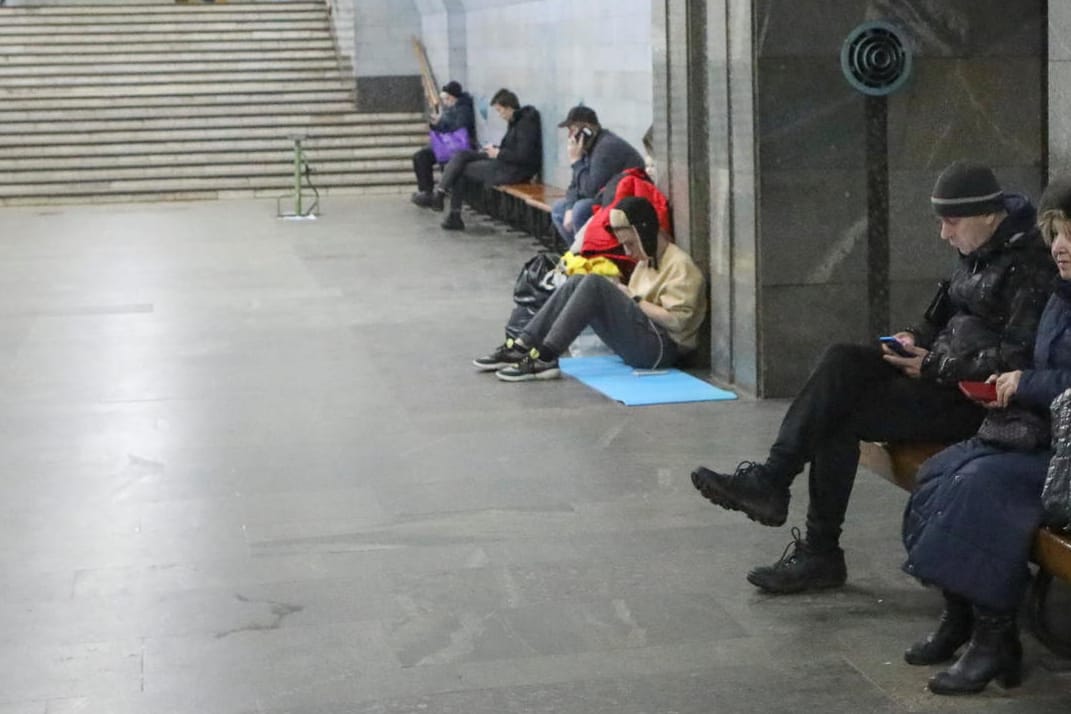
point(523, 143)
point(995, 298)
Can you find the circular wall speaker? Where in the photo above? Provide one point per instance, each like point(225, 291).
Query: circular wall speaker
point(875, 59)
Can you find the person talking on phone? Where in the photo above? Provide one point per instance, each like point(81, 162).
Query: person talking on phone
point(982, 321)
point(595, 156)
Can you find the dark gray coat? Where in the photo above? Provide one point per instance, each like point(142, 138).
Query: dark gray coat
point(607, 155)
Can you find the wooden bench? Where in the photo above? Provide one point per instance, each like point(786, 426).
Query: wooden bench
point(899, 463)
point(526, 206)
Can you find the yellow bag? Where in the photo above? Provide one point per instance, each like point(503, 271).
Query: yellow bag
point(579, 265)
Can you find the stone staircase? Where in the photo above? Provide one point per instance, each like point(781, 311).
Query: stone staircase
point(163, 101)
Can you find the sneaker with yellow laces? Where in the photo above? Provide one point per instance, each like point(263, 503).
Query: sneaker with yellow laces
point(530, 368)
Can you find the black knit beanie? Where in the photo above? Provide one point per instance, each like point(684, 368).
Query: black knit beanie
point(965, 189)
point(1057, 196)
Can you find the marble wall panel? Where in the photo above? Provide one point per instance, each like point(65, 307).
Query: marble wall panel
point(814, 226)
point(808, 115)
point(1059, 30)
point(799, 322)
point(979, 28)
point(983, 108)
point(790, 28)
point(1059, 115)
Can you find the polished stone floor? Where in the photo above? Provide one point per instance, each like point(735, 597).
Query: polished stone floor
point(249, 468)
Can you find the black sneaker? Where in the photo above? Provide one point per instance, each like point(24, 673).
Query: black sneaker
point(749, 489)
point(506, 355)
point(422, 199)
point(438, 201)
point(453, 222)
point(801, 568)
point(530, 367)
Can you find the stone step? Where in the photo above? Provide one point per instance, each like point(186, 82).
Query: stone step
point(111, 60)
point(311, 99)
point(146, 71)
point(169, 88)
point(130, 78)
point(137, 9)
point(9, 48)
point(281, 180)
point(170, 171)
point(118, 40)
point(16, 153)
point(273, 152)
point(16, 142)
point(165, 101)
point(293, 28)
point(312, 122)
point(17, 17)
point(195, 194)
point(176, 111)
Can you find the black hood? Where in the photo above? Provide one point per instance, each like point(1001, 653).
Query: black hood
point(1018, 230)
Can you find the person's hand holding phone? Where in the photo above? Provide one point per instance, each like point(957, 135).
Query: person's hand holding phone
point(1007, 384)
point(901, 352)
point(574, 146)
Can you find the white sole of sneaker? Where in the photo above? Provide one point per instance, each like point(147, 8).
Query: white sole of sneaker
point(491, 367)
point(539, 376)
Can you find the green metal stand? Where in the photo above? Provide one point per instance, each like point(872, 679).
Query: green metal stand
point(299, 195)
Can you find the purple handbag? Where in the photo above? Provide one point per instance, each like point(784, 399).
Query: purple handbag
point(446, 144)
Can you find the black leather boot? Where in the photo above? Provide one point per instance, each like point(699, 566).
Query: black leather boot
point(953, 631)
point(994, 652)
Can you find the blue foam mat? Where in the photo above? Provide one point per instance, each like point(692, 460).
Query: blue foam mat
point(615, 379)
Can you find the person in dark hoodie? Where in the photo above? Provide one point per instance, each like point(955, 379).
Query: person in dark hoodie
point(457, 112)
point(518, 158)
point(969, 526)
point(982, 321)
point(595, 156)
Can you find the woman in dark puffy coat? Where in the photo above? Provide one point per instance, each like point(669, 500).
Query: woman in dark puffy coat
point(969, 525)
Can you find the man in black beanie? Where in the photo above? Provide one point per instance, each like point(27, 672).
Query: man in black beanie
point(981, 322)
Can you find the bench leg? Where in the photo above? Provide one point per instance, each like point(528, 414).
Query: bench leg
point(1041, 628)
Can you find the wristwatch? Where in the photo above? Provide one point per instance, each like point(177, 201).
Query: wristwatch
point(637, 299)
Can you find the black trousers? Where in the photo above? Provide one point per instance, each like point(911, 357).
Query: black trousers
point(473, 167)
point(424, 168)
point(854, 395)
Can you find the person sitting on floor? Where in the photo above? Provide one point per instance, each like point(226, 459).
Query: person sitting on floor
point(651, 322)
point(517, 158)
point(595, 156)
point(457, 112)
point(969, 526)
point(982, 321)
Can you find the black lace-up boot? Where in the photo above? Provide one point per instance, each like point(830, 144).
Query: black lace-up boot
point(801, 567)
point(752, 488)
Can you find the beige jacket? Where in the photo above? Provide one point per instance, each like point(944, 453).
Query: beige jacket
point(677, 286)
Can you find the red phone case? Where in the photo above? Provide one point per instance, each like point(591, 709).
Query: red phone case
point(979, 391)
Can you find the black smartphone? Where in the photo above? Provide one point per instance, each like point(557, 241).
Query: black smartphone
point(895, 345)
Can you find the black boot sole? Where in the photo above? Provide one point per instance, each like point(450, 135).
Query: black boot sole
point(720, 498)
point(797, 587)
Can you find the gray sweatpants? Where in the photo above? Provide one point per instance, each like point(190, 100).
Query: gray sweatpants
point(593, 300)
